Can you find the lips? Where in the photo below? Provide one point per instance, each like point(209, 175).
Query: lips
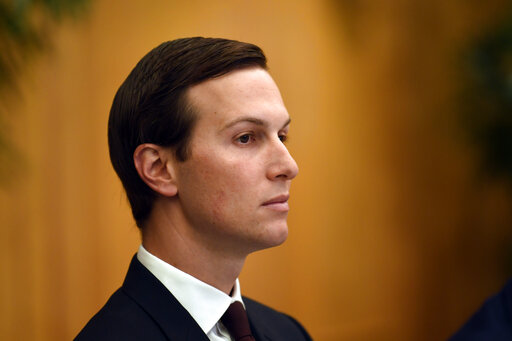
point(278, 203)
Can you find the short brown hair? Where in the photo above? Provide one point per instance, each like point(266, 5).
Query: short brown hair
point(150, 106)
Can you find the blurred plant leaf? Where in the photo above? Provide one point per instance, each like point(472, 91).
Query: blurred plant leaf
point(487, 97)
point(25, 32)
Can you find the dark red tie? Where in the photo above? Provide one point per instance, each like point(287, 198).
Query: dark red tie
point(236, 322)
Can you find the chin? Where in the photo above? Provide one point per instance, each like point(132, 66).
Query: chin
point(282, 237)
point(276, 235)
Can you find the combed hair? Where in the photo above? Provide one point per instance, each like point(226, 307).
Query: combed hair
point(151, 106)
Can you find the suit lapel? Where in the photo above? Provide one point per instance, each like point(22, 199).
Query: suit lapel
point(154, 298)
point(259, 328)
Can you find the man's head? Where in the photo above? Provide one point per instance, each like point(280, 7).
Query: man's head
point(151, 106)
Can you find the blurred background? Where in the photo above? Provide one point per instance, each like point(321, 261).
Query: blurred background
point(401, 220)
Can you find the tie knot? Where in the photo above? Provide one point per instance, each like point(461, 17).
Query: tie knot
point(236, 322)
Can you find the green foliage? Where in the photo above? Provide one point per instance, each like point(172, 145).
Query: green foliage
point(25, 31)
point(487, 100)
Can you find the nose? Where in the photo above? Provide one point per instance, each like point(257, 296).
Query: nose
point(282, 165)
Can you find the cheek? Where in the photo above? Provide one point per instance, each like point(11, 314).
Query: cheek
point(232, 175)
point(218, 204)
point(225, 185)
point(212, 181)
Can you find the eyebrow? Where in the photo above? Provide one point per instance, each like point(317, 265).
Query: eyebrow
point(253, 120)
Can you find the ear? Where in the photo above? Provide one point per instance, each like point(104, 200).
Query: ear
point(155, 165)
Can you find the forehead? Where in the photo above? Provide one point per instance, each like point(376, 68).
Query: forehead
point(245, 92)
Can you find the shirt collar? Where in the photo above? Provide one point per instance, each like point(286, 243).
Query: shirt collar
point(205, 303)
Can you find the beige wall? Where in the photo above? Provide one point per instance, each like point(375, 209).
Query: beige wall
point(391, 235)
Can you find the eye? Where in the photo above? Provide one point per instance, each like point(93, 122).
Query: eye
point(283, 138)
point(245, 138)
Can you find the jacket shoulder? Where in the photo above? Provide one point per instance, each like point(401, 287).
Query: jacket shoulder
point(493, 321)
point(121, 318)
point(272, 323)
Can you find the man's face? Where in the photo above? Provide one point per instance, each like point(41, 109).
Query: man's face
point(233, 189)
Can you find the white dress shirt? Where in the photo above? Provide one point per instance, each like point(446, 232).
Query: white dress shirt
point(206, 304)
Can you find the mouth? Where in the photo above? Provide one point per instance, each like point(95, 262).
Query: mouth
point(278, 203)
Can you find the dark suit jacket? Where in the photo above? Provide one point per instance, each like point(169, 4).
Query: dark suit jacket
point(143, 309)
point(493, 322)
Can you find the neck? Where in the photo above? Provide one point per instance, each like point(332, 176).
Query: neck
point(169, 236)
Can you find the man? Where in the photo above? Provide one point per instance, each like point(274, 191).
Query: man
point(196, 135)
